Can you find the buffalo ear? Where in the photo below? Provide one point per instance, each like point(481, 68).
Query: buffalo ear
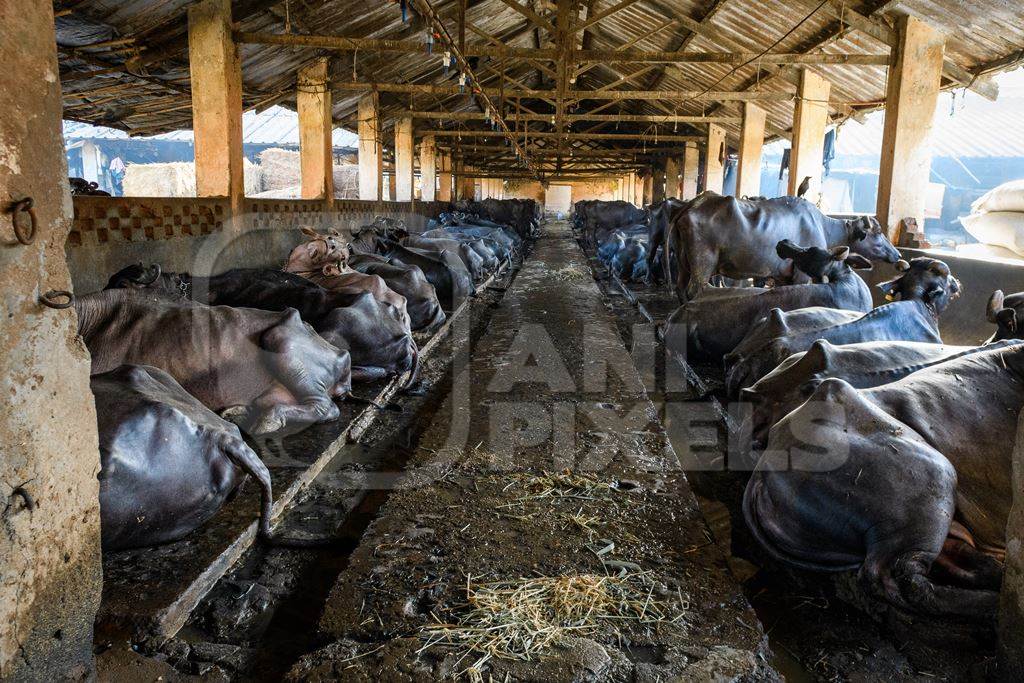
point(331, 269)
point(334, 232)
point(1007, 317)
point(840, 253)
point(901, 266)
point(309, 232)
point(786, 249)
point(889, 287)
point(858, 262)
point(313, 248)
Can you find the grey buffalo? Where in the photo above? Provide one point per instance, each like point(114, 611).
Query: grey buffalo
point(736, 238)
point(908, 483)
point(713, 324)
point(863, 365)
point(923, 290)
point(266, 370)
point(167, 462)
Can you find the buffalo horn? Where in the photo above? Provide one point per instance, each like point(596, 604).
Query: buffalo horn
point(995, 303)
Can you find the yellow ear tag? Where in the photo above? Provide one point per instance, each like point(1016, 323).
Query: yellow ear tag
point(889, 297)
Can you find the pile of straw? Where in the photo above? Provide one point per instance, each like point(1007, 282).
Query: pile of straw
point(178, 179)
point(282, 176)
point(519, 619)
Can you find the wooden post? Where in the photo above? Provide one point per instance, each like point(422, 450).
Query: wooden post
point(658, 182)
point(370, 158)
point(714, 159)
point(913, 91)
point(672, 178)
point(404, 150)
point(691, 171)
point(648, 180)
point(313, 101)
point(638, 189)
point(748, 173)
point(428, 168)
point(216, 78)
point(619, 183)
point(810, 116)
point(444, 192)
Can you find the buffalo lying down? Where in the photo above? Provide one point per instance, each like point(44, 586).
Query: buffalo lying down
point(375, 334)
point(322, 252)
point(266, 370)
point(909, 483)
point(737, 238)
point(713, 324)
point(324, 260)
point(167, 463)
point(923, 290)
point(863, 365)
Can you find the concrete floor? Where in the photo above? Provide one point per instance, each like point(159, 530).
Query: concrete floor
point(548, 388)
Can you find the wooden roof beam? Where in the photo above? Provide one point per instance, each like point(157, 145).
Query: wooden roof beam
point(527, 12)
point(611, 118)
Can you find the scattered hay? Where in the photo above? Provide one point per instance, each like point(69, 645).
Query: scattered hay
point(520, 618)
point(564, 484)
point(570, 274)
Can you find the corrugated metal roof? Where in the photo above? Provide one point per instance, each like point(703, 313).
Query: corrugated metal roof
point(275, 126)
point(979, 33)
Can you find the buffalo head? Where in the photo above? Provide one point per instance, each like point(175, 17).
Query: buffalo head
point(1007, 313)
point(868, 239)
point(319, 250)
point(923, 279)
point(135, 276)
point(821, 265)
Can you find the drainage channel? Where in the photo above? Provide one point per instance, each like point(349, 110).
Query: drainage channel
point(261, 614)
point(819, 627)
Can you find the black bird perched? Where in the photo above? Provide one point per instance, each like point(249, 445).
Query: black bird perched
point(804, 186)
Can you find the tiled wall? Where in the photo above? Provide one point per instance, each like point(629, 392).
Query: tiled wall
point(109, 233)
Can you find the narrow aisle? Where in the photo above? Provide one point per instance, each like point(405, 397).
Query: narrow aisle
point(546, 488)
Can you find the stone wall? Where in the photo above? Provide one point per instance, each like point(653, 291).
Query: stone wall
point(187, 234)
point(50, 576)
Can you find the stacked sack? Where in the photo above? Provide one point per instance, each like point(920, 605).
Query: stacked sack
point(997, 218)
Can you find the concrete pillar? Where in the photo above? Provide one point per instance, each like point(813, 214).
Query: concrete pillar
point(638, 189)
point(50, 545)
point(648, 186)
point(216, 78)
point(810, 116)
point(392, 186)
point(672, 177)
point(714, 159)
point(748, 173)
point(370, 159)
point(404, 150)
point(658, 180)
point(428, 168)
point(444, 190)
point(691, 166)
point(910, 101)
point(619, 183)
point(313, 101)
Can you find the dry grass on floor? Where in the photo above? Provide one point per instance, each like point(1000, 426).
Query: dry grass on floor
point(570, 274)
point(520, 618)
